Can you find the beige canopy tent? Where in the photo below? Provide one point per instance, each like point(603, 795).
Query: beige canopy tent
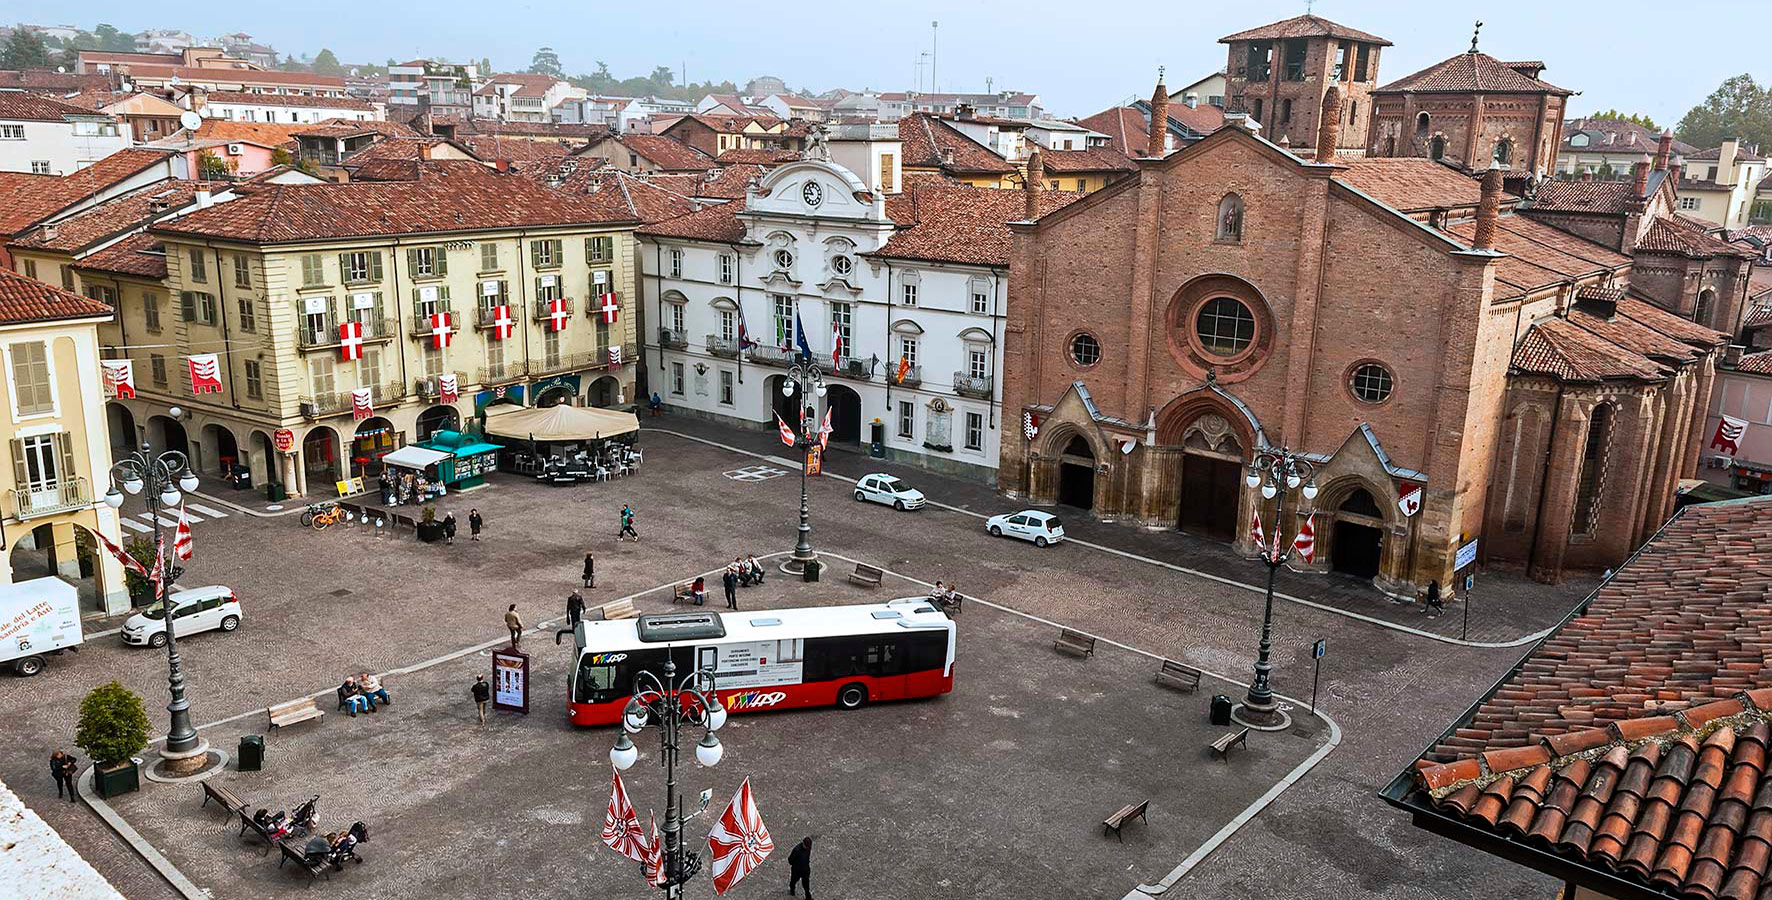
point(559, 423)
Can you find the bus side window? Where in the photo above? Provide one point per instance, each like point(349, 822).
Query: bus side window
point(926, 652)
point(884, 657)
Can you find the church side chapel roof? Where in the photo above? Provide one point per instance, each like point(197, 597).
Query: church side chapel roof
point(1636, 340)
point(1568, 352)
point(1687, 237)
point(1609, 197)
point(1474, 72)
point(1539, 254)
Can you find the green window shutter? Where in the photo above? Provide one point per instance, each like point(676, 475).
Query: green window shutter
point(559, 252)
point(344, 267)
point(534, 253)
point(21, 475)
point(187, 306)
point(412, 262)
point(65, 442)
point(375, 265)
point(590, 254)
point(442, 261)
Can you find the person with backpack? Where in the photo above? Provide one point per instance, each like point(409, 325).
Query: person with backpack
point(482, 695)
point(627, 524)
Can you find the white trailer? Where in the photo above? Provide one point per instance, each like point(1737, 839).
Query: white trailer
point(37, 617)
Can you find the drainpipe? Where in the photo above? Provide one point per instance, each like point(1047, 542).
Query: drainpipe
point(1544, 481)
point(221, 300)
point(996, 347)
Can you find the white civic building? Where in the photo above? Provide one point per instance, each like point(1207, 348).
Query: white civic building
point(900, 293)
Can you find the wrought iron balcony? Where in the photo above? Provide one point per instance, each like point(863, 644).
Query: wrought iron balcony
point(765, 355)
point(373, 330)
point(66, 494)
point(675, 340)
point(542, 309)
point(913, 376)
point(726, 348)
point(487, 316)
point(504, 373)
point(853, 369)
point(969, 385)
point(420, 326)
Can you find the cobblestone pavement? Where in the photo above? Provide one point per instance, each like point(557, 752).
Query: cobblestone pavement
point(322, 604)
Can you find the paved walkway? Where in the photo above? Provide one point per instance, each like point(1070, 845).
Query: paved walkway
point(1507, 609)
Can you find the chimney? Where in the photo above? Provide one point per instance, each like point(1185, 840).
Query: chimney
point(424, 151)
point(1031, 184)
point(1192, 99)
point(1597, 304)
point(1488, 210)
point(1726, 160)
point(1157, 142)
point(203, 199)
point(1732, 355)
point(947, 156)
point(1663, 151)
point(1674, 166)
point(1329, 127)
point(1639, 171)
point(49, 232)
point(963, 111)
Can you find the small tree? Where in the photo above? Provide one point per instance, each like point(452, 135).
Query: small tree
point(142, 551)
point(546, 62)
point(213, 168)
point(281, 157)
point(327, 64)
point(113, 724)
point(429, 514)
point(24, 48)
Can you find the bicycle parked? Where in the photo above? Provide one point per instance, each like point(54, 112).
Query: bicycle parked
point(319, 515)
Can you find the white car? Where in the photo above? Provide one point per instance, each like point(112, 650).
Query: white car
point(890, 491)
point(1029, 525)
point(194, 610)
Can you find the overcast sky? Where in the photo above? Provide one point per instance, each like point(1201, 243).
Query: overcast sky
point(1079, 57)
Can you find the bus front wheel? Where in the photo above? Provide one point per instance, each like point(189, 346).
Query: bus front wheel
point(852, 696)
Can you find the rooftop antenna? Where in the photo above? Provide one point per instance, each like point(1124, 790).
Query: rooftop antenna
point(1474, 34)
point(934, 53)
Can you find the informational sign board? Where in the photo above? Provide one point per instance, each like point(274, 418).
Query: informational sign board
point(314, 306)
point(1467, 555)
point(284, 439)
point(510, 680)
point(1320, 649)
point(363, 300)
point(350, 486)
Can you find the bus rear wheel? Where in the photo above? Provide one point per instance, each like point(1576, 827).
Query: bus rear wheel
point(852, 696)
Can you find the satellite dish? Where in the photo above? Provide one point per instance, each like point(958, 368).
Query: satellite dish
point(190, 120)
point(174, 80)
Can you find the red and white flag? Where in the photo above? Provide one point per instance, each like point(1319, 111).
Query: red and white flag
point(621, 825)
point(1409, 498)
point(362, 404)
point(350, 340)
point(615, 354)
point(824, 430)
point(610, 308)
point(558, 314)
point(1256, 534)
point(181, 537)
point(129, 562)
point(1729, 434)
point(205, 374)
point(119, 378)
point(442, 332)
point(1030, 425)
point(739, 842)
point(787, 434)
point(502, 324)
point(448, 388)
point(836, 341)
point(159, 571)
point(655, 867)
point(1305, 544)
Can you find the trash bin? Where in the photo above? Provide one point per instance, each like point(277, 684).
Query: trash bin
point(877, 440)
point(274, 492)
point(811, 571)
point(1221, 710)
point(252, 753)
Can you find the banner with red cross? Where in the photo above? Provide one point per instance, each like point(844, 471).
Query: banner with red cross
point(558, 314)
point(350, 340)
point(611, 310)
point(442, 331)
point(502, 323)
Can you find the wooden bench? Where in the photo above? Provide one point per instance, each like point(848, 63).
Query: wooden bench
point(1074, 643)
point(867, 575)
point(1221, 748)
point(953, 604)
point(1125, 814)
point(293, 851)
point(246, 824)
point(685, 593)
point(1176, 675)
point(294, 711)
point(223, 797)
point(615, 609)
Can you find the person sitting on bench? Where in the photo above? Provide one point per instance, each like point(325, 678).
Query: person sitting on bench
point(753, 570)
point(699, 590)
point(351, 694)
point(319, 848)
point(372, 690)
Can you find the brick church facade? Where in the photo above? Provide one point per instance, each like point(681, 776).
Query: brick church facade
point(1404, 324)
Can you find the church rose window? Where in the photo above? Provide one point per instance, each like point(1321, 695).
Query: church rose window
point(1225, 326)
point(1085, 349)
point(1372, 383)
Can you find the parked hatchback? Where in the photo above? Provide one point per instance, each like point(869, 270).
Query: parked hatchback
point(890, 491)
point(1029, 525)
point(193, 610)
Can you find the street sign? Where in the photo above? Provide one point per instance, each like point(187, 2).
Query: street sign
point(510, 680)
point(1470, 581)
point(1467, 555)
point(1318, 651)
point(284, 439)
point(814, 461)
point(1320, 648)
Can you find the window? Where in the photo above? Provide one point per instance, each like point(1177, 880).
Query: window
point(157, 368)
point(319, 327)
point(907, 419)
point(1591, 484)
point(151, 310)
point(41, 459)
point(432, 360)
point(313, 270)
point(887, 164)
point(676, 263)
point(1286, 111)
point(427, 302)
point(1701, 309)
point(1504, 153)
point(198, 273)
point(1224, 326)
point(547, 289)
point(600, 250)
point(974, 431)
point(545, 254)
point(427, 262)
point(1085, 349)
point(907, 349)
point(907, 293)
point(255, 384)
point(842, 265)
point(489, 257)
point(843, 317)
point(978, 364)
point(360, 266)
point(727, 328)
point(67, 278)
point(675, 313)
point(725, 387)
point(1230, 218)
point(1362, 59)
point(1688, 203)
point(725, 268)
point(248, 314)
point(981, 302)
point(1421, 124)
point(198, 307)
point(1339, 71)
point(31, 392)
point(1436, 148)
point(784, 259)
point(677, 378)
point(783, 309)
point(30, 268)
point(242, 271)
point(1372, 383)
point(40, 167)
point(1255, 111)
point(320, 370)
point(12, 132)
point(550, 349)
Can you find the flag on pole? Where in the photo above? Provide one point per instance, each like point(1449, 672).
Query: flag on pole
point(1255, 532)
point(621, 825)
point(739, 842)
point(800, 336)
point(787, 434)
point(159, 572)
point(904, 367)
point(1728, 436)
point(129, 562)
point(119, 378)
point(824, 430)
point(744, 334)
point(655, 868)
point(181, 538)
point(836, 341)
point(1305, 544)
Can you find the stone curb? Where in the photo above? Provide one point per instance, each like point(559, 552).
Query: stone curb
point(139, 844)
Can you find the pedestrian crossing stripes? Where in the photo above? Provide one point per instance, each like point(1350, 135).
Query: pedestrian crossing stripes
point(148, 521)
point(133, 525)
point(200, 508)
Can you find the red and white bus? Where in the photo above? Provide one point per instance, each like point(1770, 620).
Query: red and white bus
point(770, 659)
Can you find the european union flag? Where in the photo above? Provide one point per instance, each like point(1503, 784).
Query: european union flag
point(800, 336)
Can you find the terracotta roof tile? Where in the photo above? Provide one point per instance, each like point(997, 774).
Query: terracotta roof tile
point(271, 135)
point(1624, 137)
point(716, 223)
point(1568, 352)
point(1687, 237)
point(1411, 184)
point(1304, 26)
point(1539, 255)
point(1757, 363)
point(1095, 159)
point(517, 150)
point(928, 142)
point(207, 75)
point(580, 130)
point(1667, 323)
point(1611, 197)
point(338, 128)
point(307, 101)
point(667, 153)
point(33, 198)
point(24, 300)
point(30, 106)
point(756, 156)
point(1471, 72)
point(51, 81)
point(1127, 128)
point(117, 215)
point(140, 255)
point(959, 223)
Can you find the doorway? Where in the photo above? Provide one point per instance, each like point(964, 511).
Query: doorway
point(441, 417)
point(120, 424)
point(845, 406)
point(786, 406)
point(554, 396)
point(1076, 475)
point(605, 392)
point(1358, 542)
point(1209, 496)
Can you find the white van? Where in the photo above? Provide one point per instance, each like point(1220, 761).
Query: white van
point(193, 609)
point(37, 617)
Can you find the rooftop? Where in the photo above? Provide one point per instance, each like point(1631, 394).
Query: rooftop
point(1305, 26)
point(31, 106)
point(1687, 237)
point(1095, 159)
point(116, 216)
point(33, 198)
point(1473, 72)
point(941, 221)
point(667, 153)
point(930, 142)
point(302, 100)
point(27, 300)
point(139, 255)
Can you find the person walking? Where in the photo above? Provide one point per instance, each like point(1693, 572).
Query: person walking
point(62, 766)
point(482, 695)
point(449, 528)
point(800, 867)
point(515, 623)
point(590, 576)
point(575, 609)
point(627, 524)
point(1430, 602)
point(474, 524)
point(730, 580)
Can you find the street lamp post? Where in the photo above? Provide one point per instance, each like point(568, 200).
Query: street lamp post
point(160, 478)
point(669, 704)
point(1277, 473)
point(806, 377)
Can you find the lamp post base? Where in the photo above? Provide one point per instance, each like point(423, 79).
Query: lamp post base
point(1261, 718)
point(796, 564)
point(177, 764)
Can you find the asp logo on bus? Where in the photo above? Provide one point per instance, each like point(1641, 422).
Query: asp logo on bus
point(607, 659)
point(754, 699)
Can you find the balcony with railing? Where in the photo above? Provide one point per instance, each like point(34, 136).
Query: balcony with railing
point(969, 385)
point(374, 330)
point(765, 355)
point(913, 376)
point(672, 339)
point(723, 347)
point(561, 362)
point(594, 304)
point(504, 373)
point(65, 495)
point(853, 369)
point(542, 309)
point(487, 316)
point(600, 357)
point(421, 318)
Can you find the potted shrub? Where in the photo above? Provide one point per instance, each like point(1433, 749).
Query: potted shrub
point(141, 590)
point(429, 529)
point(113, 729)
